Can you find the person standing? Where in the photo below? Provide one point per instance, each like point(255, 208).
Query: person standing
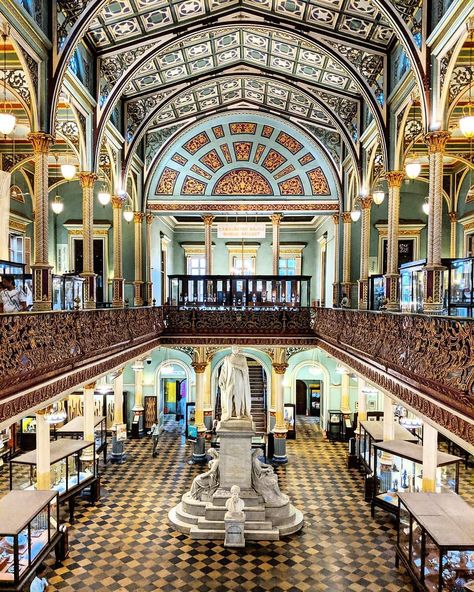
point(155, 433)
point(12, 299)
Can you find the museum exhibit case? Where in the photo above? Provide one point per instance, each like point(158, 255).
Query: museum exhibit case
point(75, 429)
point(73, 470)
point(376, 291)
point(218, 291)
point(67, 291)
point(29, 530)
point(461, 287)
point(411, 286)
point(398, 469)
point(289, 418)
point(339, 426)
point(435, 541)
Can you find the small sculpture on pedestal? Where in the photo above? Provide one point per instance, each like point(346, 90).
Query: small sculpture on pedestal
point(265, 482)
point(234, 384)
point(206, 484)
point(234, 519)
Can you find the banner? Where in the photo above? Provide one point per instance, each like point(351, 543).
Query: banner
point(241, 229)
point(4, 215)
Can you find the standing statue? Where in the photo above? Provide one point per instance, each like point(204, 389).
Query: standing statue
point(265, 482)
point(208, 482)
point(235, 386)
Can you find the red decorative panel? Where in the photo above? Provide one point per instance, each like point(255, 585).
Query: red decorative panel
point(244, 127)
point(242, 150)
point(243, 182)
point(226, 152)
point(305, 159)
point(319, 183)
point(273, 160)
point(200, 171)
point(218, 131)
point(292, 186)
point(267, 131)
point(167, 182)
point(286, 171)
point(258, 153)
point(192, 186)
point(212, 160)
point(289, 142)
point(179, 158)
point(197, 142)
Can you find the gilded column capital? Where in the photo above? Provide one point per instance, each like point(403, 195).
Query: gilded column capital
point(208, 219)
point(365, 202)
point(436, 141)
point(41, 142)
point(138, 217)
point(336, 218)
point(395, 178)
point(453, 216)
point(346, 217)
point(149, 218)
point(90, 386)
point(117, 201)
point(280, 368)
point(199, 367)
point(87, 179)
point(276, 218)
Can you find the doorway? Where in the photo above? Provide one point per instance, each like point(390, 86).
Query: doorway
point(98, 261)
point(301, 398)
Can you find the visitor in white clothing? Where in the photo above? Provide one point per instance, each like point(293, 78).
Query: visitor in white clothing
point(12, 299)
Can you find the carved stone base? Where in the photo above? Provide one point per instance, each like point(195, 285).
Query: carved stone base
point(235, 462)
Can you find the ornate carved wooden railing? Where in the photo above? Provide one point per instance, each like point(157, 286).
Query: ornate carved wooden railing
point(433, 354)
point(38, 347)
point(235, 322)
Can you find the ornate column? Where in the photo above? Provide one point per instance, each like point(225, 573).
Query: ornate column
point(433, 280)
point(117, 455)
point(392, 288)
point(279, 367)
point(138, 409)
point(335, 286)
point(345, 392)
point(276, 222)
point(87, 182)
point(454, 227)
point(138, 218)
point(200, 364)
point(43, 452)
point(388, 418)
point(208, 220)
point(149, 283)
point(430, 457)
point(346, 255)
point(365, 205)
point(117, 285)
point(41, 268)
point(361, 400)
point(208, 411)
point(89, 416)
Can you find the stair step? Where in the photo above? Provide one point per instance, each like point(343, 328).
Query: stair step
point(204, 524)
point(250, 535)
point(217, 513)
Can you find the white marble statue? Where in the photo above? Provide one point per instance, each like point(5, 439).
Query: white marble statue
point(235, 386)
point(235, 505)
point(207, 483)
point(265, 482)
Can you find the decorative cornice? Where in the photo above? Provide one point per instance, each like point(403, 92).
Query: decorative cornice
point(242, 207)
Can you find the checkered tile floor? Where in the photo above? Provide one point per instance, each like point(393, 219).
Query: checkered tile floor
point(124, 542)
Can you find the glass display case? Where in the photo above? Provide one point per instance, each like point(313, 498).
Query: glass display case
point(75, 429)
point(411, 286)
point(376, 291)
point(435, 541)
point(29, 529)
point(191, 428)
point(339, 426)
point(67, 292)
point(289, 419)
point(398, 468)
point(73, 467)
point(461, 287)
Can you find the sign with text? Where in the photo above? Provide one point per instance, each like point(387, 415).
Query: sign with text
point(241, 229)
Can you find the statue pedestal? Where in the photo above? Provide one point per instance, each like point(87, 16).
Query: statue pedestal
point(234, 530)
point(235, 452)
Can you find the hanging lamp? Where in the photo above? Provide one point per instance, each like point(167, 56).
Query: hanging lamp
point(7, 119)
point(426, 206)
point(57, 205)
point(466, 123)
point(104, 195)
point(68, 169)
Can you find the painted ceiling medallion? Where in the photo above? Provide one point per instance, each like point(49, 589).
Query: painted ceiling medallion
point(242, 182)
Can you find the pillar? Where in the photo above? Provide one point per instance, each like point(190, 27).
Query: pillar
point(200, 364)
point(430, 457)
point(388, 419)
point(346, 255)
point(433, 273)
point(138, 218)
point(208, 411)
point(43, 452)
point(208, 220)
point(345, 393)
point(361, 400)
point(41, 269)
point(454, 227)
point(117, 282)
point(89, 435)
point(279, 367)
point(365, 204)
point(118, 455)
point(335, 286)
point(87, 182)
point(138, 409)
point(149, 283)
point(392, 287)
point(276, 222)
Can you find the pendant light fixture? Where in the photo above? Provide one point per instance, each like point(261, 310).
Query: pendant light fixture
point(7, 119)
point(57, 205)
point(68, 169)
point(413, 165)
point(426, 206)
point(104, 196)
point(355, 213)
point(466, 123)
point(128, 210)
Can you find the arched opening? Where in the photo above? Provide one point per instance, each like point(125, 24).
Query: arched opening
point(309, 389)
point(173, 391)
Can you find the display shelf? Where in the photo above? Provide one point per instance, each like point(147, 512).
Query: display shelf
point(339, 426)
point(75, 429)
point(435, 541)
point(398, 469)
point(73, 469)
point(29, 530)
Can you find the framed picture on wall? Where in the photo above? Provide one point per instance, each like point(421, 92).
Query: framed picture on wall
point(406, 251)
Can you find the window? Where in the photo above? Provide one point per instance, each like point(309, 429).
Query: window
point(196, 265)
point(17, 248)
point(287, 266)
point(245, 266)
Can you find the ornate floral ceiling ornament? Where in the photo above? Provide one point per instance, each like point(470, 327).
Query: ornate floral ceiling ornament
point(243, 182)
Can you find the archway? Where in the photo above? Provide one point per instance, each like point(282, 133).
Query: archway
point(173, 386)
point(309, 385)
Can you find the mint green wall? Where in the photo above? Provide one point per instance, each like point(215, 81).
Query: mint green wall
point(23, 209)
point(326, 227)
